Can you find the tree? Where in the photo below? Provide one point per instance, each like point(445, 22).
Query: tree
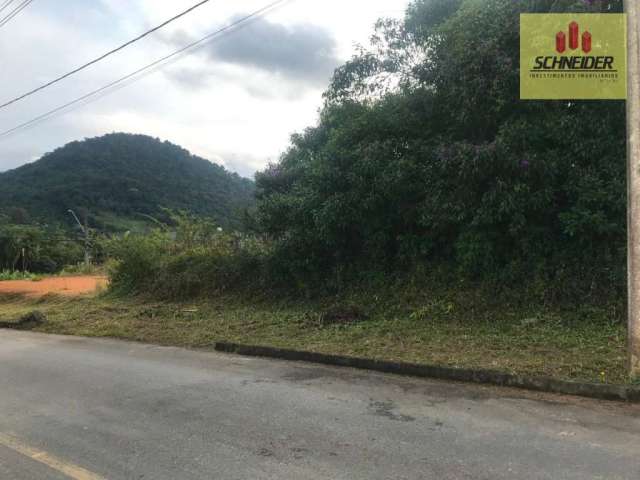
point(424, 154)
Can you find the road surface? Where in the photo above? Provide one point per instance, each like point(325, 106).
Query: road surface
point(101, 409)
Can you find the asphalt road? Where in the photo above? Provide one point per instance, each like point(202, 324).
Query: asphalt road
point(92, 409)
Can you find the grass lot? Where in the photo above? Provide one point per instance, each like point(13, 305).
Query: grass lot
point(461, 330)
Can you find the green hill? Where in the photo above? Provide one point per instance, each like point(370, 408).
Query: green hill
point(118, 179)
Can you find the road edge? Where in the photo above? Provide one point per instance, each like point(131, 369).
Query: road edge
point(625, 393)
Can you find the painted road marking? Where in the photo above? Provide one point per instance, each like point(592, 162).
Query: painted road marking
point(70, 470)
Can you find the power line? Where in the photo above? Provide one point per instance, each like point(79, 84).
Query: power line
point(102, 57)
point(5, 4)
point(141, 72)
point(14, 12)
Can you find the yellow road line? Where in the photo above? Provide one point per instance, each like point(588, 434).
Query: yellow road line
point(70, 470)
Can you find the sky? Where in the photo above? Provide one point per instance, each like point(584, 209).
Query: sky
point(235, 101)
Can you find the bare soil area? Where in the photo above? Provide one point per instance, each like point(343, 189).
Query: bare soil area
point(67, 286)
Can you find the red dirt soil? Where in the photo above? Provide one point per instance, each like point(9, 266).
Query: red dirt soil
point(67, 286)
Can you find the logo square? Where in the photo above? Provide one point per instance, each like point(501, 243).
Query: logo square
point(573, 56)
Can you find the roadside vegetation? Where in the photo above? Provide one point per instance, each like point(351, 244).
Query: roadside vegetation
point(27, 246)
point(430, 216)
point(459, 327)
point(7, 275)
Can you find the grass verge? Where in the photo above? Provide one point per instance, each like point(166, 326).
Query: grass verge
point(457, 330)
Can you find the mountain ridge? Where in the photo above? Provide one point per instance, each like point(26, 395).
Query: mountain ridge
point(122, 175)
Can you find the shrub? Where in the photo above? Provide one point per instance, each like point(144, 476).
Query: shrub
point(138, 260)
point(194, 258)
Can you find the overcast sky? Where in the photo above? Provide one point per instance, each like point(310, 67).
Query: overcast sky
point(235, 102)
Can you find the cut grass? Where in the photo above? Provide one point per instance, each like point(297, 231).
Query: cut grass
point(586, 344)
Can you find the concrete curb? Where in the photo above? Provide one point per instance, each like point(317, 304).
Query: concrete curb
point(627, 393)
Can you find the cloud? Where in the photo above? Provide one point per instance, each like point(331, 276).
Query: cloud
point(301, 53)
point(194, 78)
point(304, 51)
point(257, 83)
point(246, 165)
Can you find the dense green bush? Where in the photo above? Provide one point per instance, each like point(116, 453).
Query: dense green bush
point(136, 260)
point(191, 258)
point(424, 155)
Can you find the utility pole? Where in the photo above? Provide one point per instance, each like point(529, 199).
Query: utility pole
point(633, 181)
point(87, 242)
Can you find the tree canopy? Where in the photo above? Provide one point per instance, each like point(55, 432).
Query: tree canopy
point(424, 155)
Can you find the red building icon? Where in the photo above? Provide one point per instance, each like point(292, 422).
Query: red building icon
point(574, 39)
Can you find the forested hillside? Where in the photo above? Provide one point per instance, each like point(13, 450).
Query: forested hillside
point(121, 177)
